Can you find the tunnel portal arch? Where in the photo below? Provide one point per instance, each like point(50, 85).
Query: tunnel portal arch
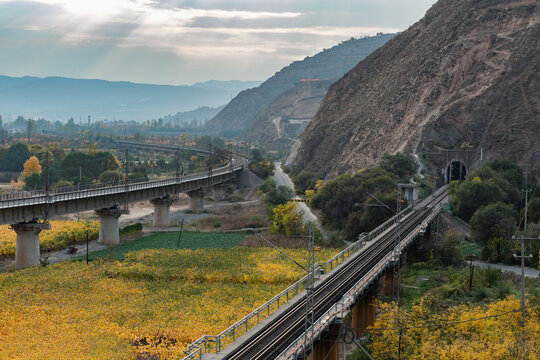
point(455, 170)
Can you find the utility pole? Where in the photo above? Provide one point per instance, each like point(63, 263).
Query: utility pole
point(210, 163)
point(522, 257)
point(177, 164)
point(231, 154)
point(395, 291)
point(310, 287)
point(178, 174)
point(471, 269)
point(310, 290)
point(47, 186)
point(396, 278)
point(126, 173)
point(522, 239)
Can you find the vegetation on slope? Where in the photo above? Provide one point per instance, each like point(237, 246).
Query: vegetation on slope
point(352, 204)
point(491, 200)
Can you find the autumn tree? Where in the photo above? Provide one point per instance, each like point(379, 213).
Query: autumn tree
point(31, 166)
point(492, 226)
point(286, 220)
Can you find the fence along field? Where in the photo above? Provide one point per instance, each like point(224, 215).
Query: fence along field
point(151, 302)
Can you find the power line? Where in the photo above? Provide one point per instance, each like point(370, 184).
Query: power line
point(449, 323)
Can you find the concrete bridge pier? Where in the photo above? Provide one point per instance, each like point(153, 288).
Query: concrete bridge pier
point(27, 248)
point(196, 203)
point(388, 282)
point(328, 346)
point(218, 192)
point(363, 313)
point(162, 211)
point(109, 231)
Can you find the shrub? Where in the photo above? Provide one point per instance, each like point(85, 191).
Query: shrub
point(131, 228)
point(400, 165)
point(472, 195)
point(492, 226)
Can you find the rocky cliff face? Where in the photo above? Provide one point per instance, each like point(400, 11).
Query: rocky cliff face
point(465, 76)
point(329, 64)
point(281, 121)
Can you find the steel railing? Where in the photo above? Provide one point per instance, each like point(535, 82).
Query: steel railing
point(37, 197)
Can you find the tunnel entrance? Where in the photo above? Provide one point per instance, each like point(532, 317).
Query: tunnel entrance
point(455, 171)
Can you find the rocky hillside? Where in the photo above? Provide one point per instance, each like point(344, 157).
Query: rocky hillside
point(465, 76)
point(281, 121)
point(329, 64)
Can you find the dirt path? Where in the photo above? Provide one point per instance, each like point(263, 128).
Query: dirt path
point(283, 179)
point(529, 272)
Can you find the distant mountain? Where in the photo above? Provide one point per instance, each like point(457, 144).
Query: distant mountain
point(59, 98)
point(466, 76)
point(234, 85)
point(200, 114)
point(329, 64)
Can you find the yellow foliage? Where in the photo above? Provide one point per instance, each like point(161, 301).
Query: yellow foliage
point(309, 193)
point(286, 220)
point(318, 184)
point(62, 234)
point(31, 166)
point(155, 303)
point(491, 338)
point(18, 184)
point(117, 162)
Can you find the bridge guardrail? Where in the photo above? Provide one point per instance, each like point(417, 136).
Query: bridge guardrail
point(215, 343)
point(73, 192)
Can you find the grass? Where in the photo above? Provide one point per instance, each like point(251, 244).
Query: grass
point(236, 217)
point(418, 279)
point(471, 248)
point(169, 240)
point(450, 286)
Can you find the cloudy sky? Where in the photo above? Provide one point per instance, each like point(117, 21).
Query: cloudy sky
point(184, 41)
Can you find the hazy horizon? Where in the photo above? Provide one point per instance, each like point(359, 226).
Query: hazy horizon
point(181, 42)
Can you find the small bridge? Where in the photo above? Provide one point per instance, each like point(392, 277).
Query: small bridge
point(28, 211)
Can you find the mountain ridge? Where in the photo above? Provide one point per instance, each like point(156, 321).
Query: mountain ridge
point(242, 110)
point(59, 98)
point(443, 83)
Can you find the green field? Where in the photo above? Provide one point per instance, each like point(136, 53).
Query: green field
point(169, 240)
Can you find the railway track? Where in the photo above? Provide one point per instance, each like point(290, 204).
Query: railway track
point(273, 338)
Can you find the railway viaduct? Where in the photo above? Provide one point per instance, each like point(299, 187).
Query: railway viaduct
point(28, 211)
point(345, 292)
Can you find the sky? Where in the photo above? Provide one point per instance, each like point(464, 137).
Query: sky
point(184, 41)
